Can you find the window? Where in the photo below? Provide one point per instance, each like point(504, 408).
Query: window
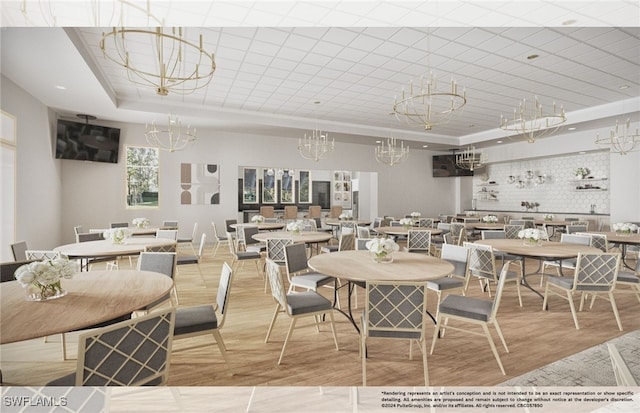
point(142, 177)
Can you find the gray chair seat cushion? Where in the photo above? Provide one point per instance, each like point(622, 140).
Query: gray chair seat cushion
point(468, 307)
point(568, 263)
point(307, 302)
point(444, 283)
point(390, 334)
point(311, 280)
point(256, 248)
point(329, 248)
point(186, 259)
point(567, 282)
point(192, 319)
point(628, 277)
point(248, 255)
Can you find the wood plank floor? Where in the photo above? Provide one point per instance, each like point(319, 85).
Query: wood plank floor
point(535, 338)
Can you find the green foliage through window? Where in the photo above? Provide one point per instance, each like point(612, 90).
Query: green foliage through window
point(142, 177)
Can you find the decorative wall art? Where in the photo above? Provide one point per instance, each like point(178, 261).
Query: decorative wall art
point(341, 189)
point(199, 184)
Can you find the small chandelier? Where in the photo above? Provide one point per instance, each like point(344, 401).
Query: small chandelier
point(470, 159)
point(316, 145)
point(621, 141)
point(390, 153)
point(172, 138)
point(179, 67)
point(531, 122)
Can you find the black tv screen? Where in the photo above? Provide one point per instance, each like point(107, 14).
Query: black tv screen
point(85, 142)
point(445, 165)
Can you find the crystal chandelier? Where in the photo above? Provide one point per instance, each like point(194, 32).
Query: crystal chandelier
point(530, 121)
point(180, 66)
point(172, 138)
point(389, 153)
point(621, 141)
point(470, 159)
point(315, 145)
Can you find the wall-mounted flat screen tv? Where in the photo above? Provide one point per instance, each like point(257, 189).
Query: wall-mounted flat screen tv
point(85, 142)
point(445, 165)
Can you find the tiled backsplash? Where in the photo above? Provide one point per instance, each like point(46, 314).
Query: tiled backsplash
point(559, 191)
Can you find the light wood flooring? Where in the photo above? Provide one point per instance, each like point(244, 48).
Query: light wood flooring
point(535, 338)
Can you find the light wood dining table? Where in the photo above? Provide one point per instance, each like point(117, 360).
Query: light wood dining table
point(358, 267)
point(106, 248)
point(624, 240)
point(92, 297)
point(400, 230)
point(264, 226)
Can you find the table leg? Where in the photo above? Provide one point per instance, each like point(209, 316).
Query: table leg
point(349, 315)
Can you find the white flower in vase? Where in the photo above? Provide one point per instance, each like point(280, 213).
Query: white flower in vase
point(117, 235)
point(416, 215)
point(295, 226)
point(140, 222)
point(42, 278)
point(258, 219)
point(491, 219)
point(548, 217)
point(406, 222)
point(382, 248)
point(624, 227)
point(533, 236)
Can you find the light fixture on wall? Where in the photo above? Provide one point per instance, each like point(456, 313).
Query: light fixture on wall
point(427, 102)
point(471, 159)
point(179, 66)
point(621, 140)
point(317, 144)
point(390, 153)
point(530, 121)
point(171, 138)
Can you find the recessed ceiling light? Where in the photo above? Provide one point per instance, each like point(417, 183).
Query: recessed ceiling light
point(623, 87)
point(532, 56)
point(378, 141)
point(572, 128)
point(498, 141)
point(61, 87)
point(472, 125)
point(569, 22)
point(425, 146)
point(582, 153)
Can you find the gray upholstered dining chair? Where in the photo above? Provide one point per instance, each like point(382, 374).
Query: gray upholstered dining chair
point(243, 256)
point(394, 310)
point(346, 242)
point(458, 256)
point(194, 259)
point(119, 225)
point(106, 358)
point(629, 279)
point(189, 240)
point(568, 263)
point(276, 252)
point(471, 310)
point(298, 271)
point(594, 274)
point(164, 263)
point(296, 305)
point(218, 238)
point(418, 240)
point(19, 250)
point(170, 225)
point(251, 244)
point(200, 320)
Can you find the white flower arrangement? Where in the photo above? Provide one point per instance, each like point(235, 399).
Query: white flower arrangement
point(492, 219)
point(344, 216)
point(140, 222)
point(548, 217)
point(625, 227)
point(117, 235)
point(533, 235)
point(406, 222)
point(581, 172)
point(416, 215)
point(45, 275)
point(295, 226)
point(258, 219)
point(382, 247)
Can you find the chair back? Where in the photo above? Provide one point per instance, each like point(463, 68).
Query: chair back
point(444, 226)
point(215, 231)
point(119, 225)
point(290, 212)
point(170, 225)
point(203, 240)
point(363, 232)
point(248, 231)
point(275, 249)
point(577, 227)
point(350, 226)
point(42, 255)
point(161, 248)
point(458, 255)
point(335, 211)
point(498, 296)
point(228, 223)
point(130, 353)
point(471, 220)
point(295, 258)
point(458, 232)
point(276, 282)
point(7, 269)
point(395, 223)
point(77, 230)
point(575, 239)
point(493, 234)
point(193, 233)
point(596, 272)
point(395, 309)
point(597, 240)
point(224, 292)
point(447, 237)
point(267, 211)
point(315, 211)
point(19, 250)
point(309, 225)
point(232, 245)
point(347, 242)
point(90, 236)
point(418, 240)
point(167, 234)
point(482, 261)
point(162, 262)
point(377, 222)
point(361, 243)
point(425, 222)
point(511, 230)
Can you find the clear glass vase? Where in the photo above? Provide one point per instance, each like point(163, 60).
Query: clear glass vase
point(38, 292)
point(383, 258)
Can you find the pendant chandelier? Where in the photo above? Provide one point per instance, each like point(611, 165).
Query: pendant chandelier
point(390, 153)
point(471, 159)
point(180, 66)
point(530, 121)
point(317, 144)
point(428, 102)
point(172, 138)
point(621, 140)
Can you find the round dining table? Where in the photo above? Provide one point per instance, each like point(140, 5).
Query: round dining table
point(485, 226)
point(623, 239)
point(358, 267)
point(308, 237)
point(106, 248)
point(135, 231)
point(264, 226)
point(400, 230)
point(92, 297)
